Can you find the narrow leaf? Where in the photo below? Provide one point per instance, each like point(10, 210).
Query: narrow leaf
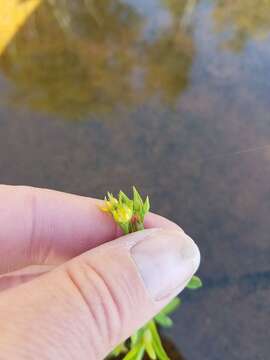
point(147, 339)
point(140, 354)
point(172, 306)
point(134, 353)
point(136, 337)
point(195, 283)
point(161, 353)
point(119, 349)
point(163, 320)
point(137, 201)
point(123, 198)
point(146, 206)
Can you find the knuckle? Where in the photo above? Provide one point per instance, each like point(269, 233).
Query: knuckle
point(105, 305)
point(32, 199)
point(29, 200)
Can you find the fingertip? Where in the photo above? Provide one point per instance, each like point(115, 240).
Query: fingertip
point(157, 221)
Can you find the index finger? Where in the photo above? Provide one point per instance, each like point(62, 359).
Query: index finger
point(41, 226)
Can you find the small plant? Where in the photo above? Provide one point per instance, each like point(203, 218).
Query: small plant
point(129, 215)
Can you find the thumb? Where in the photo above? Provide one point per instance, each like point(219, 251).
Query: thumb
point(84, 308)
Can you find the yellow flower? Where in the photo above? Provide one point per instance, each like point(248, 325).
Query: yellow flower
point(110, 203)
point(122, 214)
point(127, 213)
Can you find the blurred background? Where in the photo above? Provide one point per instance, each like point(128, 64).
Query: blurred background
point(174, 97)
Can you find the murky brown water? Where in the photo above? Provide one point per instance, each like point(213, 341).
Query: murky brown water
point(170, 95)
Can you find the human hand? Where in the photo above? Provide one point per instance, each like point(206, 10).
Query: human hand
point(72, 286)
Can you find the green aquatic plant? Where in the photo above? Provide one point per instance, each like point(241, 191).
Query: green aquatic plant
point(129, 214)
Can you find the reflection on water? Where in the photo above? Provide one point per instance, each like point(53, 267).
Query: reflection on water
point(69, 57)
point(13, 15)
point(188, 82)
point(243, 20)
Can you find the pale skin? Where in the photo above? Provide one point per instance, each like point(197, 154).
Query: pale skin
point(69, 288)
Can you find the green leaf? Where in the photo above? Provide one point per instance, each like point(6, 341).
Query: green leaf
point(124, 227)
point(136, 337)
point(159, 350)
point(140, 354)
point(146, 206)
point(123, 198)
point(137, 202)
point(119, 349)
point(163, 320)
point(195, 283)
point(147, 339)
point(171, 307)
point(110, 196)
point(136, 353)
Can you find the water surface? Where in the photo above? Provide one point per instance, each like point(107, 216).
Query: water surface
point(170, 95)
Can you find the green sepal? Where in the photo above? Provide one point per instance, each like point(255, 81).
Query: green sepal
point(194, 283)
point(137, 203)
point(110, 196)
point(123, 198)
point(124, 227)
point(146, 206)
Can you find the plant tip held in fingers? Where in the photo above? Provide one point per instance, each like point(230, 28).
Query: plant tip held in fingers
point(129, 214)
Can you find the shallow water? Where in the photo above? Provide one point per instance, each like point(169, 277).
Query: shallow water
point(170, 95)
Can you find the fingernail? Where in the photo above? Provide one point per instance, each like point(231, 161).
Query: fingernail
point(166, 261)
